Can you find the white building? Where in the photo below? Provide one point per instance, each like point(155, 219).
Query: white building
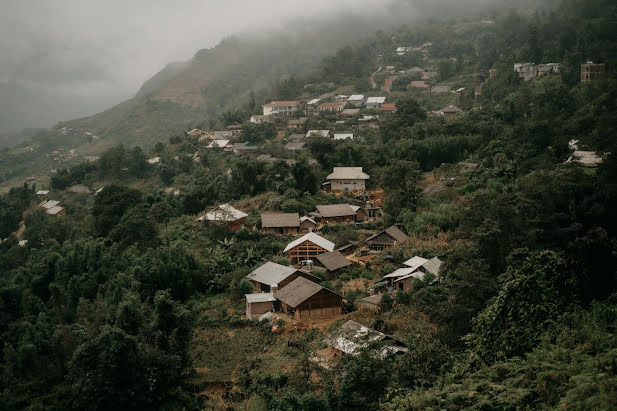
point(280, 108)
point(347, 179)
point(374, 102)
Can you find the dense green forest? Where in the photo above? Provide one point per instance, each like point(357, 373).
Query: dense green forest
point(127, 302)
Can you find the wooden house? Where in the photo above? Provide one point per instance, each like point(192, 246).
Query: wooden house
point(346, 179)
point(370, 303)
point(226, 213)
point(432, 266)
point(387, 238)
point(258, 304)
point(331, 261)
point(336, 213)
point(307, 247)
point(244, 148)
point(296, 122)
point(270, 277)
point(361, 213)
point(408, 282)
point(280, 223)
point(352, 337)
point(305, 300)
point(307, 224)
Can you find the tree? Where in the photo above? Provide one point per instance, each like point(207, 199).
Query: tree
point(111, 204)
point(400, 181)
point(136, 227)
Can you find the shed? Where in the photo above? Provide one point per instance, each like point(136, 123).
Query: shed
point(336, 213)
point(305, 300)
point(280, 223)
point(370, 303)
point(389, 237)
point(258, 304)
point(235, 218)
point(307, 224)
point(272, 276)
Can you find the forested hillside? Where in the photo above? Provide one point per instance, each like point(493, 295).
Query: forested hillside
point(124, 299)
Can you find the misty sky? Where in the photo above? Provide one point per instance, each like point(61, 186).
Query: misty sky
point(107, 48)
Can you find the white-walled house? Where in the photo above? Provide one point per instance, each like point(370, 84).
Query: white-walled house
point(280, 108)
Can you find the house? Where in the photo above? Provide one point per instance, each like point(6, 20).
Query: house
point(350, 112)
point(399, 273)
point(356, 99)
point(526, 71)
point(244, 148)
point(352, 337)
point(331, 261)
point(336, 213)
point(258, 119)
point(280, 108)
point(313, 102)
point(387, 238)
point(42, 192)
point(591, 71)
point(370, 303)
point(305, 300)
point(223, 144)
point(234, 218)
point(407, 283)
point(295, 145)
point(336, 106)
point(548, 69)
point(317, 133)
point(343, 136)
point(52, 207)
point(307, 247)
point(195, 133)
point(258, 304)
point(368, 121)
point(429, 75)
point(347, 179)
point(360, 213)
point(307, 224)
point(154, 160)
point(419, 84)
point(280, 223)
point(388, 108)
point(296, 122)
point(374, 102)
point(449, 112)
point(440, 89)
point(235, 129)
point(387, 84)
point(340, 98)
point(432, 266)
point(270, 277)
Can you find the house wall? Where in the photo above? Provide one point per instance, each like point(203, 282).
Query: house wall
point(365, 305)
point(383, 240)
point(304, 251)
point(306, 227)
point(255, 310)
point(280, 230)
point(347, 185)
point(324, 304)
point(236, 225)
point(339, 220)
point(361, 215)
point(406, 284)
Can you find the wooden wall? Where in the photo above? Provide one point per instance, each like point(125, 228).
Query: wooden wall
point(304, 251)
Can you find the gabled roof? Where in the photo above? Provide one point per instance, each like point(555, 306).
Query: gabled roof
point(54, 210)
point(313, 101)
point(335, 210)
point(271, 220)
point(298, 291)
point(333, 260)
point(305, 218)
point(356, 97)
point(224, 212)
point(193, 130)
point(415, 262)
point(375, 100)
point(270, 273)
point(451, 109)
point(418, 275)
point(401, 272)
point(388, 107)
point(295, 145)
point(348, 173)
point(260, 298)
point(393, 232)
point(433, 266)
point(323, 133)
point(313, 238)
point(218, 143)
point(49, 204)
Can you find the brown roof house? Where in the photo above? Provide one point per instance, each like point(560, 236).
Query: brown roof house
point(387, 238)
point(258, 304)
point(352, 337)
point(331, 106)
point(272, 276)
point(418, 269)
point(370, 303)
point(346, 179)
point(336, 213)
point(307, 247)
point(305, 300)
point(226, 213)
point(331, 261)
point(280, 223)
point(307, 224)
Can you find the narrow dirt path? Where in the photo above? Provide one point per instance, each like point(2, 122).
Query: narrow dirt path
point(371, 78)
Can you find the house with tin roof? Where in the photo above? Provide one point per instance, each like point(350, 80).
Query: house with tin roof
point(270, 277)
point(226, 213)
point(346, 179)
point(280, 108)
point(307, 247)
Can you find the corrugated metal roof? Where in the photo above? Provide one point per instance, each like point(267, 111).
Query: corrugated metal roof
point(270, 273)
point(343, 136)
point(54, 210)
point(280, 220)
point(401, 272)
point(355, 97)
point(260, 297)
point(415, 262)
point(333, 260)
point(375, 100)
point(323, 133)
point(393, 232)
point(297, 291)
point(433, 266)
point(348, 173)
point(218, 143)
point(335, 210)
point(313, 238)
point(49, 204)
point(224, 212)
point(305, 218)
point(281, 104)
